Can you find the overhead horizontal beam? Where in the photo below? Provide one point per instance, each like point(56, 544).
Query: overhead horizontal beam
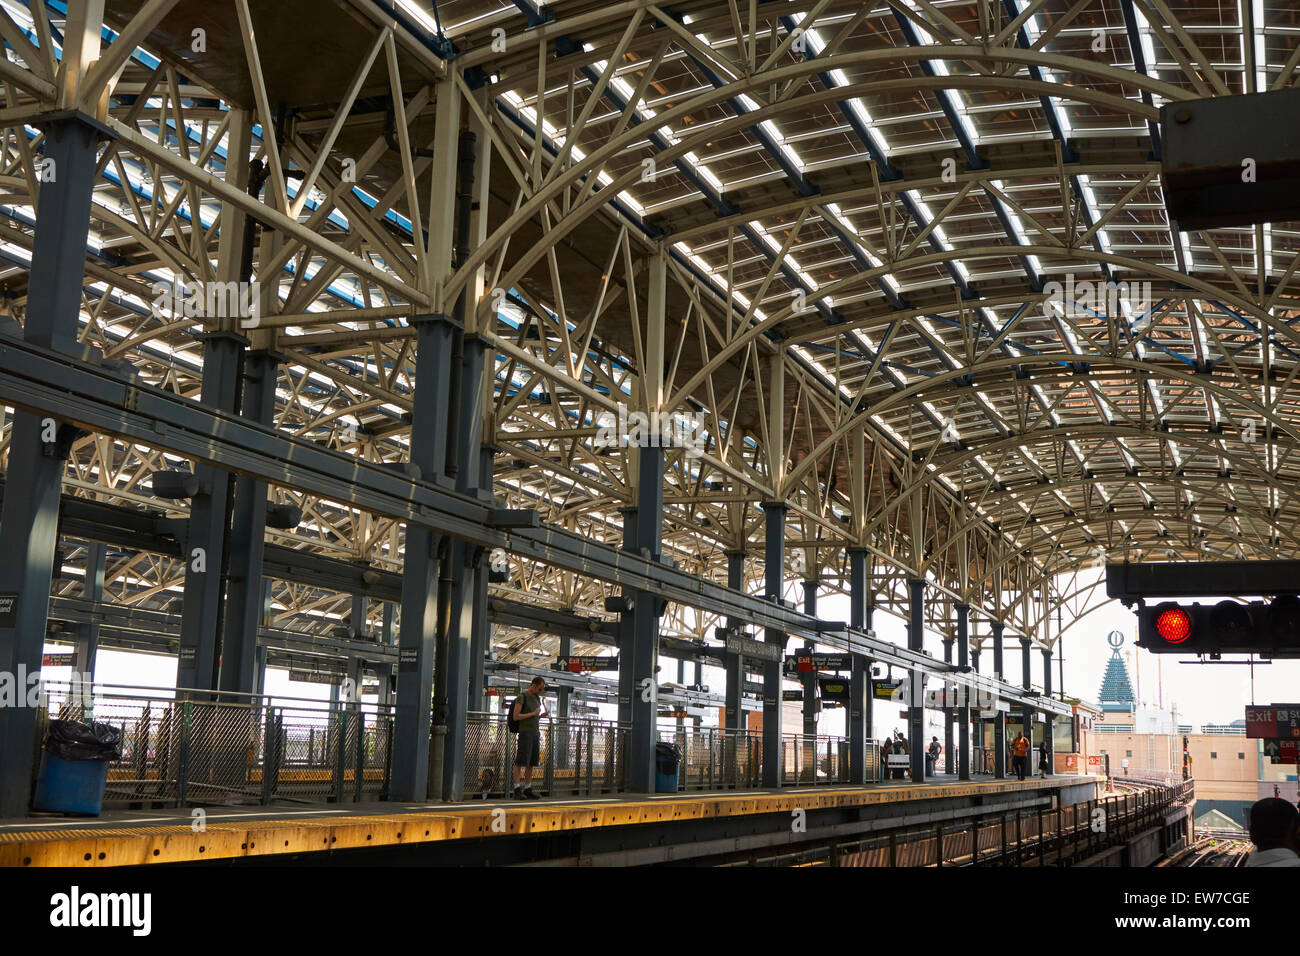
point(1132, 582)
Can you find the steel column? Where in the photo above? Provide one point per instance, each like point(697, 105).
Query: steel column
point(39, 445)
point(244, 597)
point(642, 650)
point(1027, 712)
point(773, 578)
point(480, 641)
point(468, 566)
point(810, 703)
point(1049, 720)
point(733, 716)
point(1000, 720)
point(948, 762)
point(417, 636)
point(860, 700)
point(203, 608)
point(562, 694)
point(977, 720)
point(627, 688)
point(916, 682)
point(259, 665)
point(963, 712)
point(86, 647)
point(385, 671)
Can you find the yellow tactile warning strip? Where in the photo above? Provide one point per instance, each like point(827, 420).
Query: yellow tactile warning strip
point(132, 846)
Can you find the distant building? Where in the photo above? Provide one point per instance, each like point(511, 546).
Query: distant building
point(1230, 769)
point(1118, 703)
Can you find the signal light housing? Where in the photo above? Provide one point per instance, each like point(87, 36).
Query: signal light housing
point(1228, 627)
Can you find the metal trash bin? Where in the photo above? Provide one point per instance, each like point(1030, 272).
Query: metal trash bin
point(74, 767)
point(668, 758)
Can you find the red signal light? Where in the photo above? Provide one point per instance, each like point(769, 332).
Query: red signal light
point(1174, 625)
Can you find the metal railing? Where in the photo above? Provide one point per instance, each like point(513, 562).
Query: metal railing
point(715, 758)
point(578, 756)
point(1139, 775)
point(1042, 836)
point(807, 761)
point(186, 746)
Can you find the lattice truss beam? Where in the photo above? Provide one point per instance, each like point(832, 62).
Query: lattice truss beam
point(920, 285)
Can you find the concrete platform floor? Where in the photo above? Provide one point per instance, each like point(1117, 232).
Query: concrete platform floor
point(133, 837)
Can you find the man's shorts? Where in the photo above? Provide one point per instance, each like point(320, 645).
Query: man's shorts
point(528, 748)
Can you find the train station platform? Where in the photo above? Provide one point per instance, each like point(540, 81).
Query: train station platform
point(610, 829)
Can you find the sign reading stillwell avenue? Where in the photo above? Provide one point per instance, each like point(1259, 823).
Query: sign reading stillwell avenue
point(820, 662)
point(577, 665)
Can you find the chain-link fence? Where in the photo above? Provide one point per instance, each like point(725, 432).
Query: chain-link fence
point(715, 758)
point(193, 747)
point(720, 759)
point(808, 760)
point(181, 747)
point(578, 756)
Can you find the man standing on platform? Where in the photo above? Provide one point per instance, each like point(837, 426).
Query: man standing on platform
point(1020, 755)
point(528, 750)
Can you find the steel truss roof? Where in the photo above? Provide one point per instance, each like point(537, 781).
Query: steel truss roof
point(864, 211)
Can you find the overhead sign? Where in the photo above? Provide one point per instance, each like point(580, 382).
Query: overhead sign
point(579, 664)
point(885, 689)
point(56, 659)
point(1276, 721)
point(304, 676)
point(748, 647)
point(1281, 751)
point(753, 687)
point(820, 662)
point(673, 713)
point(834, 688)
point(792, 695)
point(496, 691)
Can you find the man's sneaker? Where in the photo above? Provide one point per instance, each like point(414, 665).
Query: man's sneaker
point(517, 792)
point(530, 795)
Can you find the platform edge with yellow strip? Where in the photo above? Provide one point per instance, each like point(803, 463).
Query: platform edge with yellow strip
point(140, 845)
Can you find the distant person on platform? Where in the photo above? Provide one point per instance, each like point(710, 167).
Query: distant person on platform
point(1020, 755)
point(933, 752)
point(1043, 762)
point(528, 750)
point(1275, 831)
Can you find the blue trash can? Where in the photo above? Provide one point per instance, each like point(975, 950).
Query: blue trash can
point(74, 767)
point(70, 786)
point(667, 758)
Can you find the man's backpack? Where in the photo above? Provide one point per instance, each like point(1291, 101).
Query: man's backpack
point(512, 725)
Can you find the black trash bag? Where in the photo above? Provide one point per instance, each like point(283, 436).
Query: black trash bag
point(667, 756)
point(74, 740)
